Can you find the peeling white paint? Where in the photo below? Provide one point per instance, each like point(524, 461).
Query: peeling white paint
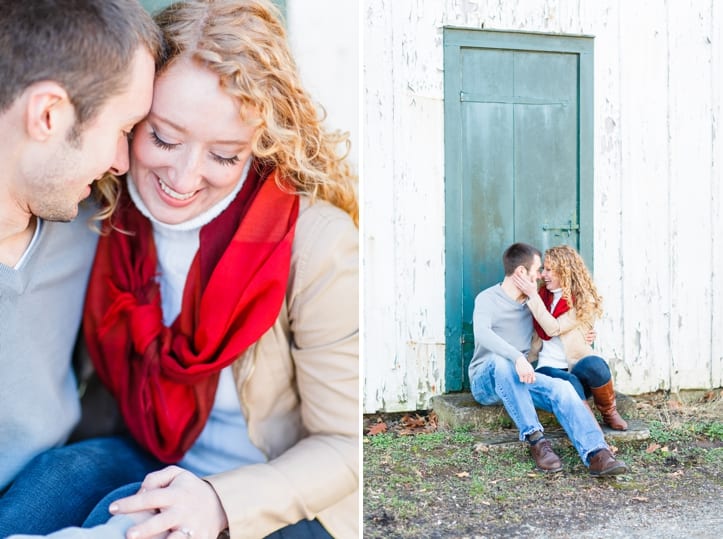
point(658, 194)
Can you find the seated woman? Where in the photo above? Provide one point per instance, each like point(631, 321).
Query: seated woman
point(222, 311)
point(565, 309)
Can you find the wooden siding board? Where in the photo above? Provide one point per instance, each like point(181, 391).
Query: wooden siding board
point(604, 23)
point(383, 375)
point(716, 32)
point(689, 151)
point(420, 289)
point(645, 205)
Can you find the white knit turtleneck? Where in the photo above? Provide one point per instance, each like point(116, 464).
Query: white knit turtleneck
point(553, 353)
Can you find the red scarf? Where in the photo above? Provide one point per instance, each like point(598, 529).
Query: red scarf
point(165, 378)
point(561, 308)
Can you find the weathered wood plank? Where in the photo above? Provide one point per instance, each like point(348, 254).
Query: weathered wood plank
point(690, 160)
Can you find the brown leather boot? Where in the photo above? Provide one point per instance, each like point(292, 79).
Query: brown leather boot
point(604, 397)
point(603, 463)
point(545, 458)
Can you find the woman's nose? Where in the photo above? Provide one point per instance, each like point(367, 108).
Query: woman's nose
point(186, 172)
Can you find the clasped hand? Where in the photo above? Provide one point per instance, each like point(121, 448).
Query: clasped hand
point(180, 505)
point(524, 370)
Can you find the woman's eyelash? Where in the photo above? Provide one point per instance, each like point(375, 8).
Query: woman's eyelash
point(226, 161)
point(160, 142)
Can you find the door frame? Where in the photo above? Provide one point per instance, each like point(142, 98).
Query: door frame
point(456, 39)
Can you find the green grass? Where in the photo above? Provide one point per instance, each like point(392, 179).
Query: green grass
point(414, 482)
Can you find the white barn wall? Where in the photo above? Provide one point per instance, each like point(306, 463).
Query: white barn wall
point(658, 219)
point(324, 38)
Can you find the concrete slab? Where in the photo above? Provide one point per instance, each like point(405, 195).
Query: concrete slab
point(460, 409)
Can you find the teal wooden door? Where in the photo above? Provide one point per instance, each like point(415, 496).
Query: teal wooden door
point(155, 5)
point(518, 162)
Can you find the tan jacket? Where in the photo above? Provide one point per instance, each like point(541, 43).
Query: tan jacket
point(299, 391)
point(566, 326)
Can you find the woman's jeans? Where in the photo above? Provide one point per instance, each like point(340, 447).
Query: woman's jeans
point(61, 486)
point(496, 381)
point(589, 372)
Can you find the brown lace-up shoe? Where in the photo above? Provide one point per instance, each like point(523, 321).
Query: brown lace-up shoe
point(603, 463)
point(545, 458)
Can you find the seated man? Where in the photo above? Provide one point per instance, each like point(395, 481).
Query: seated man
point(75, 76)
point(500, 372)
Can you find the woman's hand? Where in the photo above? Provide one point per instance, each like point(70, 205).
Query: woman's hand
point(184, 505)
point(590, 336)
point(527, 287)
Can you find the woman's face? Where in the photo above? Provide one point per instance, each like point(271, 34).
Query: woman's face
point(189, 152)
point(550, 277)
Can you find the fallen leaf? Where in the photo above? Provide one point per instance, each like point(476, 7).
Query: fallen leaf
point(675, 405)
point(710, 396)
point(462, 474)
point(415, 422)
point(639, 498)
point(481, 448)
point(652, 447)
point(531, 475)
point(377, 428)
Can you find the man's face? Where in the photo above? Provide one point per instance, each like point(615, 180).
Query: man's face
point(533, 274)
point(56, 185)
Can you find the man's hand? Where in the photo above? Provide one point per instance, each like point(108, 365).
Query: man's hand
point(590, 336)
point(524, 370)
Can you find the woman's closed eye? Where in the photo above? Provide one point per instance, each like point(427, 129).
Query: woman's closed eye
point(225, 161)
point(158, 141)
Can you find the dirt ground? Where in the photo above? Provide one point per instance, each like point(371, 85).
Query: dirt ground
point(424, 481)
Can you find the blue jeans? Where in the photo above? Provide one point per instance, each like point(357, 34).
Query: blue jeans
point(59, 487)
point(589, 372)
point(304, 529)
point(496, 381)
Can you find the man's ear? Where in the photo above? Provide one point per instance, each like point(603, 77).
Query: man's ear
point(48, 110)
point(520, 270)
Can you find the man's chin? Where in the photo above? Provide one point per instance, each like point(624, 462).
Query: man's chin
point(60, 217)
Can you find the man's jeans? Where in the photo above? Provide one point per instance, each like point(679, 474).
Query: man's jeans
point(589, 372)
point(61, 486)
point(496, 381)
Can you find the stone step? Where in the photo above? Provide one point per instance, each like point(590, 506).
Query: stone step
point(460, 409)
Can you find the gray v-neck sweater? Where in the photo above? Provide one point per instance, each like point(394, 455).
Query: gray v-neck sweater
point(41, 304)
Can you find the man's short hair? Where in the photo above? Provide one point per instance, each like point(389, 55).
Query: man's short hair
point(87, 46)
point(519, 254)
